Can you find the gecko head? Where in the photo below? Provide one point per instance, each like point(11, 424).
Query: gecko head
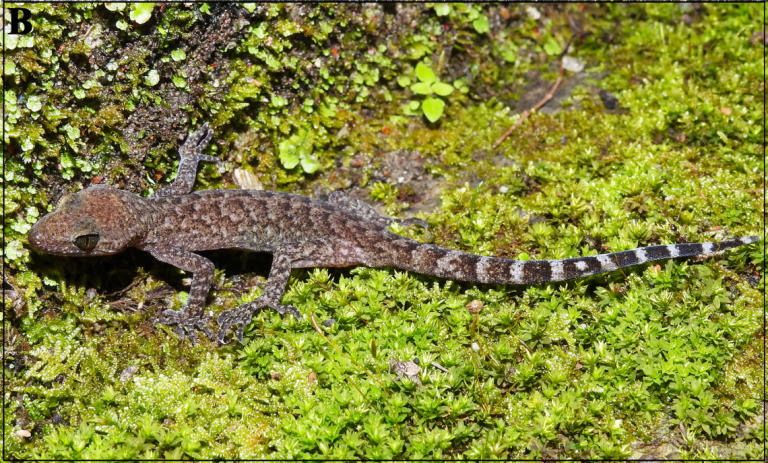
point(97, 221)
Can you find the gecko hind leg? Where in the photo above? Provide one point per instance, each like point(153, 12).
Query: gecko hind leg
point(361, 209)
point(276, 282)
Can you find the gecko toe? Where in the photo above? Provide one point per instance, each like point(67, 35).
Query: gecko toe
point(192, 337)
point(238, 317)
point(224, 328)
point(207, 331)
point(284, 309)
point(222, 334)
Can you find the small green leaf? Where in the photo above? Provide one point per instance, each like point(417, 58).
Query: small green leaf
point(481, 24)
point(309, 164)
point(141, 12)
point(425, 74)
point(524, 256)
point(206, 8)
point(72, 132)
point(115, 6)
point(178, 55)
point(441, 89)
point(420, 88)
point(404, 81)
point(152, 78)
point(26, 145)
point(296, 148)
point(413, 105)
point(79, 93)
point(509, 55)
point(122, 25)
point(179, 81)
point(34, 103)
point(442, 9)
point(433, 108)
point(251, 7)
point(552, 48)
point(289, 157)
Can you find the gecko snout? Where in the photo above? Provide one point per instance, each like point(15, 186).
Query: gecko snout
point(34, 238)
point(42, 238)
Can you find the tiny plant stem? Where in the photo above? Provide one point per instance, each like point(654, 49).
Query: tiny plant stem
point(528, 112)
point(474, 196)
point(473, 337)
point(477, 378)
point(616, 258)
point(525, 345)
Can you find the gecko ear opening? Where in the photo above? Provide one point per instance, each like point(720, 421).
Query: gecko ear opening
point(87, 242)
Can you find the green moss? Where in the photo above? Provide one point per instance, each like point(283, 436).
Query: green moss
point(584, 369)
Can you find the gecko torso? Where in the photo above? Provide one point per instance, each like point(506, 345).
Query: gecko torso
point(300, 232)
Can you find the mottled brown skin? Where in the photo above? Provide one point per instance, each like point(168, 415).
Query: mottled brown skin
point(300, 232)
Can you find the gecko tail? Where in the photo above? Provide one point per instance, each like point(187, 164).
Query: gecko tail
point(440, 262)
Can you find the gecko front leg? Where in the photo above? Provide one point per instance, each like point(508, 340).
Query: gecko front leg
point(192, 316)
point(273, 293)
point(190, 153)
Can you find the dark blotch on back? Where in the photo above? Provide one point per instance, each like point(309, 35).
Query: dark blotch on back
point(657, 252)
point(691, 249)
point(537, 272)
point(433, 253)
point(408, 246)
point(570, 270)
point(497, 270)
point(468, 266)
point(626, 258)
point(593, 265)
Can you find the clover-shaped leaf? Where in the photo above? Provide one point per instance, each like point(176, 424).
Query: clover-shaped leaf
point(442, 9)
point(420, 88)
point(292, 150)
point(433, 108)
point(441, 88)
point(298, 149)
point(551, 47)
point(425, 74)
point(141, 12)
point(481, 24)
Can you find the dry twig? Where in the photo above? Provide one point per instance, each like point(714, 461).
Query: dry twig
point(538, 106)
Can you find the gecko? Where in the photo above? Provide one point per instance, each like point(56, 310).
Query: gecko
point(174, 223)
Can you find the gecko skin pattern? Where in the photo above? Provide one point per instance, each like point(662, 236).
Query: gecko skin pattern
point(300, 232)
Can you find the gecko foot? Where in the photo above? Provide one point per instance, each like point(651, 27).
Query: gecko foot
point(241, 316)
point(196, 143)
point(185, 325)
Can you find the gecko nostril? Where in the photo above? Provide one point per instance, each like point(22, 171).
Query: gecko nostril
point(34, 239)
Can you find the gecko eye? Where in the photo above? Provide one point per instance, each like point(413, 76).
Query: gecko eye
point(87, 242)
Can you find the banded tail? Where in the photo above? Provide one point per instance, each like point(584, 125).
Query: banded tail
point(433, 260)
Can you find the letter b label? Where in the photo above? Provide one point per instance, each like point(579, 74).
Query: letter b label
point(20, 23)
